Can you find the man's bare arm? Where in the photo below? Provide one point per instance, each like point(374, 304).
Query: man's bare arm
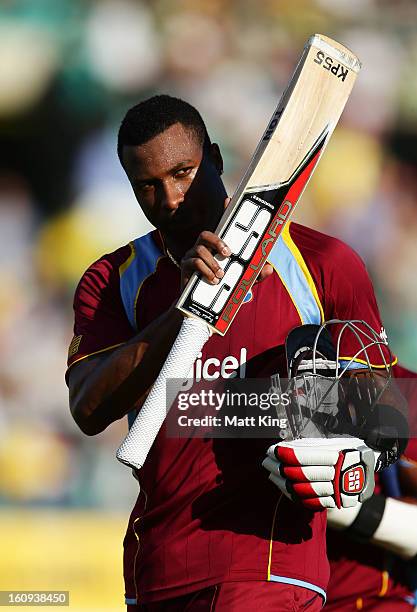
point(105, 387)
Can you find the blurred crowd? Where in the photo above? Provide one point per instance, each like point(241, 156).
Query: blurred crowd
point(69, 69)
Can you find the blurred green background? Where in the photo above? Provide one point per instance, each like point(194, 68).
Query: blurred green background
point(69, 69)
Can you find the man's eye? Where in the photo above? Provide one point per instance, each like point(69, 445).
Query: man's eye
point(183, 172)
point(145, 186)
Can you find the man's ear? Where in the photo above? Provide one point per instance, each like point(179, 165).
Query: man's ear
point(216, 157)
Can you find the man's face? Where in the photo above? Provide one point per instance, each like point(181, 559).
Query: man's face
point(177, 185)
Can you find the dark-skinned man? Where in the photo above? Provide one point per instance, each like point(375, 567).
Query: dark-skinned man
point(209, 531)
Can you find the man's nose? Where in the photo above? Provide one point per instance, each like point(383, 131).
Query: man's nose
point(171, 195)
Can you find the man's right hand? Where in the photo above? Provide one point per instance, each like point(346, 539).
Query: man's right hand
point(201, 259)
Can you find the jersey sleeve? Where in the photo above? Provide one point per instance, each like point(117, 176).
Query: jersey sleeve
point(407, 383)
point(349, 295)
point(100, 323)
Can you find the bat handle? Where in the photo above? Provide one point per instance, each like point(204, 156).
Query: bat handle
point(191, 338)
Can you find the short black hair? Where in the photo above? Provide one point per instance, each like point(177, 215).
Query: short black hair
point(153, 116)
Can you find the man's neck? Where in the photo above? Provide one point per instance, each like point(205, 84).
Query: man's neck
point(175, 252)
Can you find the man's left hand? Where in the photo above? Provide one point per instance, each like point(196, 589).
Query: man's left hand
point(323, 473)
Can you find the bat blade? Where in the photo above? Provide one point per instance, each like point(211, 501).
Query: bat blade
point(283, 163)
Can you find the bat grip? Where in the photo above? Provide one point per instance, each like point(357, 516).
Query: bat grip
point(191, 338)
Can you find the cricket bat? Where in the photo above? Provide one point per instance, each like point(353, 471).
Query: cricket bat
point(264, 200)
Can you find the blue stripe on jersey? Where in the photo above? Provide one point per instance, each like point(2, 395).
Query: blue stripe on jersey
point(351, 364)
point(140, 265)
point(282, 579)
point(143, 263)
point(300, 583)
point(288, 269)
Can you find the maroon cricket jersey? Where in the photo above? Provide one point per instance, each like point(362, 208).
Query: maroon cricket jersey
point(206, 512)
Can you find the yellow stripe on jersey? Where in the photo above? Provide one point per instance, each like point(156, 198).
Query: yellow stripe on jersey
point(124, 266)
point(141, 264)
point(103, 350)
point(385, 584)
point(271, 540)
point(362, 361)
point(286, 236)
point(292, 270)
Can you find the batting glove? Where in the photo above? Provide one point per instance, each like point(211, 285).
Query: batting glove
point(323, 473)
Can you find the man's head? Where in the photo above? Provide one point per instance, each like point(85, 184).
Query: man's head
point(153, 116)
point(174, 169)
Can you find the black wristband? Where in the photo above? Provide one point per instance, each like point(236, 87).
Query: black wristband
point(368, 518)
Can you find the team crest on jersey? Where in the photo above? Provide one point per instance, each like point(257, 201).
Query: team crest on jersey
point(73, 347)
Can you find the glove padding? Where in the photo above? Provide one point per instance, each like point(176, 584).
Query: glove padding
point(323, 473)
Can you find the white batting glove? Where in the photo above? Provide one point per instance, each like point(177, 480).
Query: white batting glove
point(323, 473)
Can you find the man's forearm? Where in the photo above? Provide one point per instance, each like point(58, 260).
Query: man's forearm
point(383, 521)
point(105, 390)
